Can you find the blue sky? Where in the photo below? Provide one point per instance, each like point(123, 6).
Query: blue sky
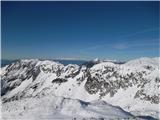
point(85, 30)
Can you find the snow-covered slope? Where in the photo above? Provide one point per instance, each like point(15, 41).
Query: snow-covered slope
point(134, 85)
point(53, 107)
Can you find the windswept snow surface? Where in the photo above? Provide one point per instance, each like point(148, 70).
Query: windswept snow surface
point(53, 107)
point(134, 86)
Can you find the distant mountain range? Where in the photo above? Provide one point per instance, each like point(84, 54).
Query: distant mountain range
point(87, 90)
point(63, 61)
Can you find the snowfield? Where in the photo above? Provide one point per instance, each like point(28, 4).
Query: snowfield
point(35, 89)
point(53, 107)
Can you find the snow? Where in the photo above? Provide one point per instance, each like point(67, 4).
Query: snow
point(143, 61)
point(74, 90)
point(52, 107)
point(2, 70)
point(125, 99)
point(20, 88)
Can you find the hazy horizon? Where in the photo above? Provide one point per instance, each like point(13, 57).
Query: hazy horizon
point(77, 59)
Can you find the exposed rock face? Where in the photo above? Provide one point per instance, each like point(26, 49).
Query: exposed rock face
point(108, 78)
point(59, 80)
point(92, 85)
point(30, 78)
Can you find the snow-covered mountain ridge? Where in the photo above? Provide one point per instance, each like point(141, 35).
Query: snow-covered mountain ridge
point(134, 85)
